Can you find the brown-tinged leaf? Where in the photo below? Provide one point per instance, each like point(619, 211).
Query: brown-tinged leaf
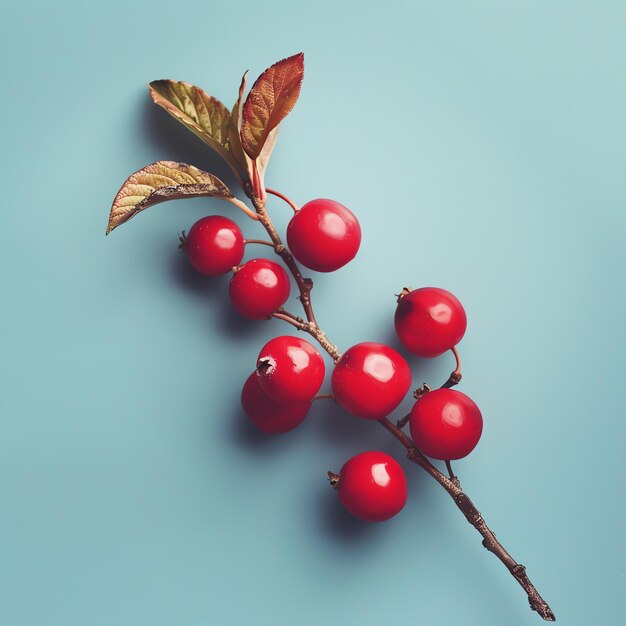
point(234, 132)
point(204, 115)
point(163, 180)
point(271, 98)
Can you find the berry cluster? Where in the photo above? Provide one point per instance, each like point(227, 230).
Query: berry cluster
point(369, 380)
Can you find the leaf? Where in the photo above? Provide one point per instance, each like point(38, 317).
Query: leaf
point(266, 152)
point(270, 100)
point(161, 181)
point(204, 115)
point(234, 132)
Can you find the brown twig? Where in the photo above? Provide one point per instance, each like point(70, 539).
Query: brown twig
point(304, 284)
point(451, 485)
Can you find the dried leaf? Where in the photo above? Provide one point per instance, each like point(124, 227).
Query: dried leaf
point(204, 115)
point(164, 180)
point(271, 98)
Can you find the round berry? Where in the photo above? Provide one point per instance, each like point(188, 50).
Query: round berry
point(370, 380)
point(430, 321)
point(268, 415)
point(324, 235)
point(445, 424)
point(290, 369)
point(214, 245)
point(258, 288)
point(372, 486)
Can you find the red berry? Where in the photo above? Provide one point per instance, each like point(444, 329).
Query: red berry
point(258, 288)
point(372, 486)
point(290, 369)
point(430, 321)
point(445, 424)
point(370, 380)
point(214, 245)
point(324, 235)
point(268, 415)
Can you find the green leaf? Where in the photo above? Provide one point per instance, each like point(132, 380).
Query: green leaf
point(270, 100)
point(204, 115)
point(161, 181)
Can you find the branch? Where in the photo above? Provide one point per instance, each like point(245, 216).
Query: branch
point(304, 284)
point(451, 485)
point(473, 516)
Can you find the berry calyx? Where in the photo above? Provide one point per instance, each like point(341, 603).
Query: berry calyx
point(258, 288)
point(324, 235)
point(445, 424)
point(429, 321)
point(370, 380)
point(214, 245)
point(290, 369)
point(371, 486)
point(268, 415)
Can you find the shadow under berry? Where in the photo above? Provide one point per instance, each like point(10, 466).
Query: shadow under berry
point(211, 291)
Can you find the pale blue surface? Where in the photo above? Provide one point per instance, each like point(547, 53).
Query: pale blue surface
point(481, 145)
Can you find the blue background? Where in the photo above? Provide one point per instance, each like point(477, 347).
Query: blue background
point(481, 145)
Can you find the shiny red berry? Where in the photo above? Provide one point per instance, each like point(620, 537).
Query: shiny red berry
point(370, 380)
point(290, 369)
point(268, 415)
point(258, 288)
point(324, 235)
point(214, 245)
point(445, 424)
point(372, 486)
point(430, 321)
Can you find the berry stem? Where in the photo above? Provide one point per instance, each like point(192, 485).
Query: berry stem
point(451, 485)
point(403, 421)
point(291, 203)
point(259, 241)
point(451, 474)
point(455, 376)
point(324, 396)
